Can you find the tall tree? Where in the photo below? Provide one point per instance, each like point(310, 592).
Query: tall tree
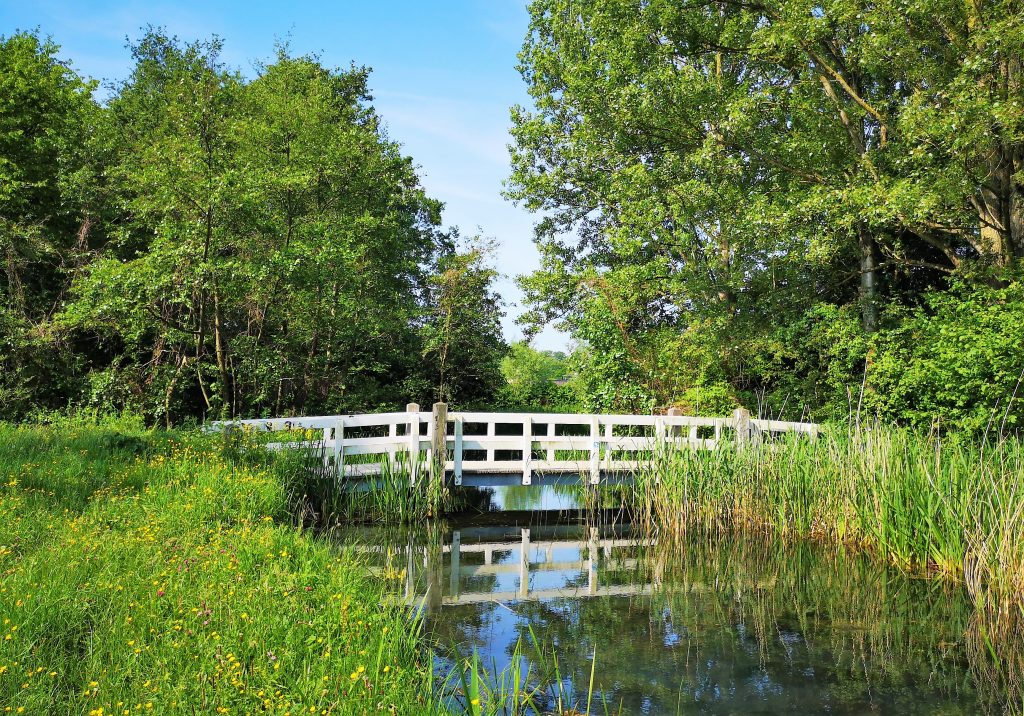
point(726, 166)
point(462, 335)
point(50, 142)
point(273, 243)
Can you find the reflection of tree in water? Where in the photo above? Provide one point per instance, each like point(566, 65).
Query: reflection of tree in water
point(793, 628)
point(520, 498)
point(732, 624)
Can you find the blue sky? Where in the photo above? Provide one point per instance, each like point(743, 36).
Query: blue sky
point(443, 79)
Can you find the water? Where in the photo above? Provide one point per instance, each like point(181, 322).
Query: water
point(711, 626)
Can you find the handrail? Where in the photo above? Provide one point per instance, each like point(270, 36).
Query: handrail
point(512, 443)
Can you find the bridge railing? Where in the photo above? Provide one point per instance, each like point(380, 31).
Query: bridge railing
point(514, 444)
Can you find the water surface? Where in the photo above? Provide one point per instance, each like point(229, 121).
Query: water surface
point(708, 625)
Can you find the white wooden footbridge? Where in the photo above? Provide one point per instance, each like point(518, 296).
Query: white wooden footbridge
point(486, 449)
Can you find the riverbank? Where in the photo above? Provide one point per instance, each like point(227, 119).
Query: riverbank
point(147, 571)
point(142, 572)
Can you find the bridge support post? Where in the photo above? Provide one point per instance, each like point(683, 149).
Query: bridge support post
point(741, 421)
point(439, 441)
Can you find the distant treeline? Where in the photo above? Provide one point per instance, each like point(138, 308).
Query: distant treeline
point(806, 209)
point(205, 244)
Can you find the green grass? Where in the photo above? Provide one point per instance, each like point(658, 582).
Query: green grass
point(144, 572)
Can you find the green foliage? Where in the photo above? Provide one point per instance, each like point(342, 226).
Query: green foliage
point(537, 381)
point(49, 129)
point(207, 244)
point(728, 190)
point(462, 341)
point(956, 360)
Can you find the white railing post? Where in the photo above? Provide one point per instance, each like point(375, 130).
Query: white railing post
point(490, 434)
point(339, 448)
point(595, 451)
point(609, 435)
point(439, 441)
point(457, 466)
point(550, 455)
point(414, 441)
point(392, 452)
point(527, 451)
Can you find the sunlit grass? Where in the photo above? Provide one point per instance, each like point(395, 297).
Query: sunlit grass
point(148, 573)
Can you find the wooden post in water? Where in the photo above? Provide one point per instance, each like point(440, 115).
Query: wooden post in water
point(439, 441)
point(741, 421)
point(414, 440)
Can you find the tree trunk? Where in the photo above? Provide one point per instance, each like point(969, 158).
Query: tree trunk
point(869, 300)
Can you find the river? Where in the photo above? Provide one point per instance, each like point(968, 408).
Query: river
point(603, 612)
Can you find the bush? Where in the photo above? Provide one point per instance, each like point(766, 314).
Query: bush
point(957, 359)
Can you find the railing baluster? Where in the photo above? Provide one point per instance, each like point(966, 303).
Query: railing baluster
point(527, 451)
point(339, 448)
point(609, 437)
point(490, 434)
point(595, 451)
point(457, 466)
point(414, 441)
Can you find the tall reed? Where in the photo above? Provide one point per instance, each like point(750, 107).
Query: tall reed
point(924, 503)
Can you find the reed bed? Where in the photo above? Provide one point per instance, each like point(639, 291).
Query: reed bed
point(924, 503)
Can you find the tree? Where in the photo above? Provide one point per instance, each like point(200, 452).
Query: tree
point(272, 242)
point(463, 344)
point(50, 138)
point(726, 167)
point(537, 380)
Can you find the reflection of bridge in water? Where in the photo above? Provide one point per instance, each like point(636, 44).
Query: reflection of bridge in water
point(510, 566)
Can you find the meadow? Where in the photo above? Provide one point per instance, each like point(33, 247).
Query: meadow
point(145, 572)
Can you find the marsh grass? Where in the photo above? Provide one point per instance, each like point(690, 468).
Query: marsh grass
point(926, 504)
point(146, 572)
point(531, 684)
point(320, 497)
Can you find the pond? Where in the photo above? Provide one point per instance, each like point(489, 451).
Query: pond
point(635, 623)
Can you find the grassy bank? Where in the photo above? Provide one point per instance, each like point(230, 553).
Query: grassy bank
point(928, 505)
point(144, 573)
